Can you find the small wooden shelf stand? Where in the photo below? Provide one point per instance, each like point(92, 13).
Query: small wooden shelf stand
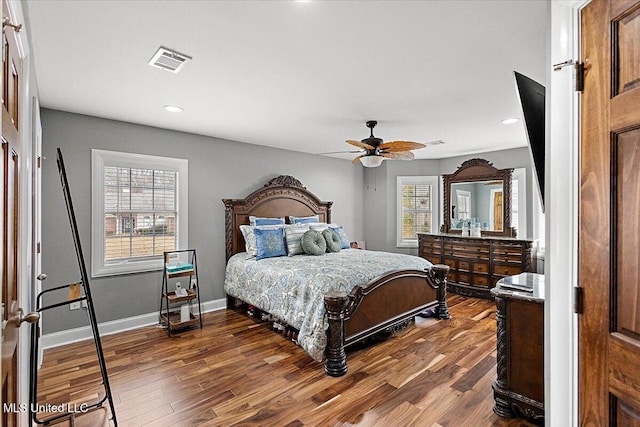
point(169, 308)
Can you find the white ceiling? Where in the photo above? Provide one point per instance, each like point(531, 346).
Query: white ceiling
point(301, 76)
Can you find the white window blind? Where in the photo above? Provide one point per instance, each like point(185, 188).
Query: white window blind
point(139, 211)
point(417, 208)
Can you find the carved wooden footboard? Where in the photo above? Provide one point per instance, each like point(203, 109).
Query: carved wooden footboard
point(379, 305)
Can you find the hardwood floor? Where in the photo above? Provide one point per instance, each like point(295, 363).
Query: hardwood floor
point(236, 371)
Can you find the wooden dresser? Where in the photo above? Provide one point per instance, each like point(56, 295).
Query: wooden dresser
point(476, 263)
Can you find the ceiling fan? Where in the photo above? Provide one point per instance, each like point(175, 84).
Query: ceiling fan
point(374, 150)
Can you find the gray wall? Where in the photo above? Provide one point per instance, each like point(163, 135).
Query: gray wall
point(217, 169)
point(380, 191)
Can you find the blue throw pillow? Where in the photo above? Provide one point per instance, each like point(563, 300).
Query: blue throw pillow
point(304, 219)
point(269, 243)
point(344, 239)
point(266, 221)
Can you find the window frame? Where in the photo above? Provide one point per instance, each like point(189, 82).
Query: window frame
point(435, 206)
point(520, 176)
point(103, 158)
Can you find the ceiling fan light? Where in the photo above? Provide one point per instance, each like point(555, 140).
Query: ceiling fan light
point(371, 161)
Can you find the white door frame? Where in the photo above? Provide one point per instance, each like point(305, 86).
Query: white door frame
point(561, 228)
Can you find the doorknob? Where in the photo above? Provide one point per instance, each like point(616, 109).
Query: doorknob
point(42, 277)
point(32, 317)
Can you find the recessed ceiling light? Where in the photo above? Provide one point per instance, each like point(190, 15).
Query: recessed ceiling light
point(510, 121)
point(173, 108)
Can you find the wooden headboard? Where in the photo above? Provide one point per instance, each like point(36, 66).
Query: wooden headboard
point(280, 197)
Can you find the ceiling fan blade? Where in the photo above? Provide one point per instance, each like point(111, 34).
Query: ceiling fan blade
point(392, 156)
point(360, 144)
point(403, 155)
point(357, 159)
point(400, 146)
point(342, 152)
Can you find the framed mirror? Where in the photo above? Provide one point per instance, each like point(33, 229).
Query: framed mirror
point(478, 195)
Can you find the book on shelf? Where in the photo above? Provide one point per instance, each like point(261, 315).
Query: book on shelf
point(176, 267)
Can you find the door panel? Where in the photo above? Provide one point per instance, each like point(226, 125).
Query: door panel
point(609, 231)
point(11, 148)
point(627, 282)
point(625, 33)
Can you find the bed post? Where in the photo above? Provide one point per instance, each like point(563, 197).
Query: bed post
point(438, 273)
point(335, 364)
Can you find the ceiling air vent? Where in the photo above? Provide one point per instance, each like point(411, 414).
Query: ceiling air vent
point(168, 60)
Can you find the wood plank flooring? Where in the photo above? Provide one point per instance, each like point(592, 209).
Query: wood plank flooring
point(236, 371)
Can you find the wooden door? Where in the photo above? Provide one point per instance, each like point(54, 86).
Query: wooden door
point(12, 71)
point(497, 211)
point(609, 215)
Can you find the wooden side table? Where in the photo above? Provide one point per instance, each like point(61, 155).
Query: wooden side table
point(519, 388)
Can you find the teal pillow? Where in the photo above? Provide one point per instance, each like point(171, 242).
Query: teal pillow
point(269, 243)
point(313, 243)
point(334, 244)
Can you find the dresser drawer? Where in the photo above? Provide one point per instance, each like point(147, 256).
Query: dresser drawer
point(466, 248)
point(452, 263)
point(431, 247)
point(480, 280)
point(464, 278)
point(430, 250)
point(508, 250)
point(480, 267)
point(432, 258)
point(507, 270)
point(464, 265)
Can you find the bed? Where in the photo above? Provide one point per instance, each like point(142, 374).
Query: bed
point(357, 293)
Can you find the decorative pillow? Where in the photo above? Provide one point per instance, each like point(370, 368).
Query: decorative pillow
point(318, 226)
point(344, 239)
point(334, 244)
point(303, 219)
point(293, 235)
point(313, 243)
point(269, 243)
point(248, 232)
point(254, 220)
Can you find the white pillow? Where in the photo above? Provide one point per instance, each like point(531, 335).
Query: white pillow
point(293, 236)
point(319, 226)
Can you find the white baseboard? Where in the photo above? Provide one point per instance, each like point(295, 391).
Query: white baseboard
point(69, 336)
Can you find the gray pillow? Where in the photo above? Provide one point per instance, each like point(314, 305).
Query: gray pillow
point(313, 243)
point(334, 244)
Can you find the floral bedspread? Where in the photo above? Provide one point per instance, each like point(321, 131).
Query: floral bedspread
point(293, 288)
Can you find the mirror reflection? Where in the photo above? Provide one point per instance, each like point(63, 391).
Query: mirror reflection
point(478, 203)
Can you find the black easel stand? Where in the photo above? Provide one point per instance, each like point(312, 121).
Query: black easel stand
point(75, 409)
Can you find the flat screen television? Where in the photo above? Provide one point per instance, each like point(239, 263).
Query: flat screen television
point(532, 100)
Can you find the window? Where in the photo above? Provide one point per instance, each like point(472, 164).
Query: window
point(519, 202)
point(464, 204)
point(417, 208)
point(139, 210)
point(539, 227)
